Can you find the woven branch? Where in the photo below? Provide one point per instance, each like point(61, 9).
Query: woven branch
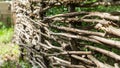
point(60, 40)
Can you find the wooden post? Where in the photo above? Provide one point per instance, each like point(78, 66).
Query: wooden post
point(72, 41)
point(42, 15)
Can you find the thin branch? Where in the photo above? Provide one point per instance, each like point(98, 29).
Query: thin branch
point(83, 59)
point(108, 53)
point(70, 52)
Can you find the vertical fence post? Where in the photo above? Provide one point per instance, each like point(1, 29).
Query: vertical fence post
point(42, 15)
point(73, 45)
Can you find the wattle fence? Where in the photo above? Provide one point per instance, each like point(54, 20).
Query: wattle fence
point(69, 39)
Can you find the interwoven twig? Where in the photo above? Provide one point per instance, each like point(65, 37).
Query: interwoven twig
point(61, 41)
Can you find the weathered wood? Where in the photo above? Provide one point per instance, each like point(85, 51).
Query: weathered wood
point(59, 40)
point(108, 53)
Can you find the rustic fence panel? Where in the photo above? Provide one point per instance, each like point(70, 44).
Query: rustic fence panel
point(61, 40)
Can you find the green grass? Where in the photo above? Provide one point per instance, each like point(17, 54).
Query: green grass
point(6, 34)
point(9, 52)
point(20, 64)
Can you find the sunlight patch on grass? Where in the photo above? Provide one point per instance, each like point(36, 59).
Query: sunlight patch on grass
point(9, 51)
point(6, 34)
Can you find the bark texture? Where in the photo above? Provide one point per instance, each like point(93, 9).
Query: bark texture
point(60, 40)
